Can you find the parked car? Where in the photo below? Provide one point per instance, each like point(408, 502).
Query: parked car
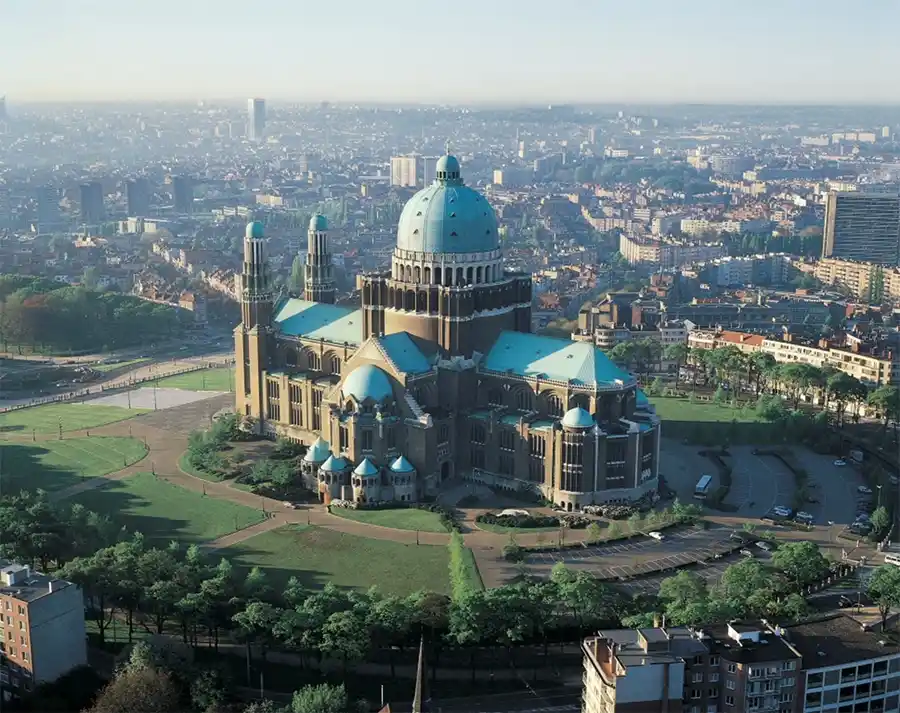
point(804, 517)
point(746, 552)
point(289, 505)
point(840, 462)
point(656, 535)
point(764, 546)
point(844, 602)
point(864, 489)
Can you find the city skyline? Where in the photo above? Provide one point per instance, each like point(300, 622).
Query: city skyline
point(463, 52)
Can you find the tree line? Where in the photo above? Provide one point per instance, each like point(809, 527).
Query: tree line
point(38, 312)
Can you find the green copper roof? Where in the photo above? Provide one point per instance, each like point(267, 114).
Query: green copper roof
point(534, 355)
point(318, 222)
point(318, 452)
point(255, 230)
point(578, 418)
point(334, 464)
point(315, 320)
point(401, 465)
point(448, 216)
point(366, 468)
point(367, 382)
point(641, 399)
point(404, 353)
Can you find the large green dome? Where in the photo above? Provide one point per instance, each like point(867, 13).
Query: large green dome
point(448, 216)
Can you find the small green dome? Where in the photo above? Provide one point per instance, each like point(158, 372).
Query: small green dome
point(578, 418)
point(366, 468)
point(318, 223)
point(318, 452)
point(367, 382)
point(447, 168)
point(401, 465)
point(334, 465)
point(255, 230)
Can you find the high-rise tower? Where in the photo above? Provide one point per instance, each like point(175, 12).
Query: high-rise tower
point(319, 272)
point(256, 293)
point(256, 119)
point(253, 334)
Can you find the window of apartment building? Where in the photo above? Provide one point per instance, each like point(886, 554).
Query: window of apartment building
point(729, 700)
point(8, 619)
point(787, 697)
point(729, 685)
point(712, 708)
point(7, 605)
point(814, 680)
point(367, 440)
point(714, 677)
point(848, 674)
point(712, 692)
point(21, 625)
point(864, 671)
point(696, 693)
point(880, 668)
point(732, 668)
point(12, 651)
point(697, 677)
point(788, 665)
point(698, 660)
point(787, 682)
point(695, 709)
point(24, 655)
point(21, 611)
point(22, 639)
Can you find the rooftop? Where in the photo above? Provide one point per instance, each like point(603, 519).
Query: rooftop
point(534, 355)
point(837, 640)
point(27, 585)
point(314, 320)
point(404, 352)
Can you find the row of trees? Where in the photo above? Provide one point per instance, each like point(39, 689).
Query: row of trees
point(36, 311)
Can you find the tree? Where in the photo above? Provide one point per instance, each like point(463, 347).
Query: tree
point(884, 588)
point(685, 598)
point(880, 522)
point(594, 533)
point(801, 562)
point(798, 379)
point(323, 698)
point(759, 364)
point(209, 689)
point(886, 401)
point(841, 389)
point(138, 690)
point(679, 354)
point(297, 283)
point(345, 634)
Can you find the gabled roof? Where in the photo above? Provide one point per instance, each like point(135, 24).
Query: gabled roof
point(404, 352)
point(314, 320)
point(534, 355)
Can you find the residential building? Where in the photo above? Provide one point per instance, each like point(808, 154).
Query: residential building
point(91, 195)
point(666, 252)
point(862, 226)
point(865, 281)
point(847, 666)
point(183, 194)
point(256, 119)
point(768, 269)
point(47, 207)
point(137, 194)
point(41, 627)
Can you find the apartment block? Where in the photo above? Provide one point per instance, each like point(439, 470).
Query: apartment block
point(41, 627)
point(864, 280)
point(862, 226)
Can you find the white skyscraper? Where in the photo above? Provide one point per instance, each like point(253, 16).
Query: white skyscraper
point(256, 119)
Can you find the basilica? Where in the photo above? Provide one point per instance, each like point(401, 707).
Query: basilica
point(437, 374)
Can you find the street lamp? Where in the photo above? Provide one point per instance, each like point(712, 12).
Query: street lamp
point(879, 496)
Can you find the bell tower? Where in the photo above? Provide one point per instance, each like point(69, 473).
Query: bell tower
point(256, 292)
point(253, 334)
point(319, 272)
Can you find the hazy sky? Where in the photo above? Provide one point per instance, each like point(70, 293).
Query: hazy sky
point(453, 51)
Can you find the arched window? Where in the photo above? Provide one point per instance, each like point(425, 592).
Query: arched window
point(290, 357)
point(524, 400)
point(408, 273)
point(315, 362)
point(580, 401)
point(495, 397)
point(459, 276)
point(554, 405)
point(427, 275)
point(478, 275)
point(469, 276)
point(335, 365)
point(418, 274)
point(448, 276)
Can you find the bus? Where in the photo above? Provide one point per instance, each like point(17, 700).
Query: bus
point(702, 489)
point(892, 558)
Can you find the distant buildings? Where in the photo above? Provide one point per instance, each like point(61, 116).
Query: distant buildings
point(47, 208)
point(413, 170)
point(864, 280)
point(137, 194)
point(828, 665)
point(183, 194)
point(666, 252)
point(91, 203)
point(256, 119)
point(768, 269)
point(862, 226)
point(41, 627)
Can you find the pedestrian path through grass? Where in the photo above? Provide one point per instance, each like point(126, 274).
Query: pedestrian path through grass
point(69, 416)
point(201, 380)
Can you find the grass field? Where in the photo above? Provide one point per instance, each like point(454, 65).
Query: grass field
point(54, 465)
point(163, 511)
point(202, 380)
point(120, 365)
point(399, 518)
point(185, 466)
point(709, 424)
point(317, 556)
point(72, 416)
point(674, 409)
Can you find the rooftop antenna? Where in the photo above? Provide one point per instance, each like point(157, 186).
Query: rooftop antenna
point(447, 147)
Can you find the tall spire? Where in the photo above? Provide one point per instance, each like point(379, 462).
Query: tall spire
point(256, 292)
point(319, 277)
point(419, 696)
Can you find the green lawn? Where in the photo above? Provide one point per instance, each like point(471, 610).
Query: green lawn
point(675, 409)
point(399, 518)
point(197, 473)
point(317, 556)
point(54, 465)
point(72, 416)
point(202, 380)
point(163, 511)
point(120, 365)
